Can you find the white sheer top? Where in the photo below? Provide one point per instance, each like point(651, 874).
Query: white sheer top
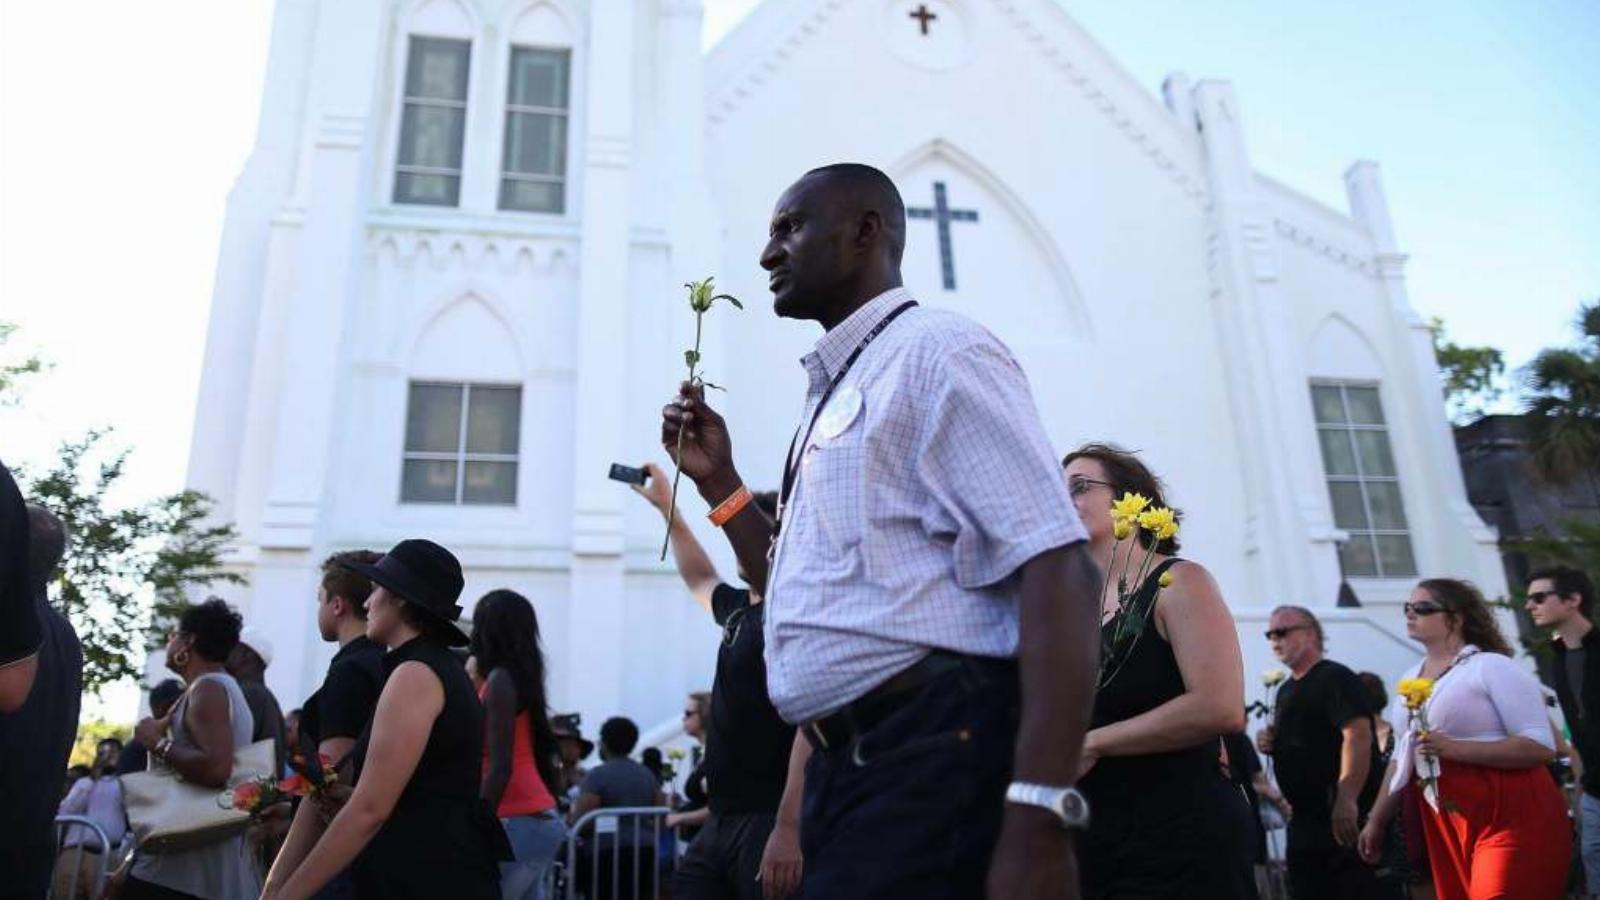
point(1483, 697)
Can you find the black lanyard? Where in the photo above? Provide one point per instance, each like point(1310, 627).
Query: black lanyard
point(791, 466)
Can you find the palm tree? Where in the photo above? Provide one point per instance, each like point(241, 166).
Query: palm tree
point(1563, 411)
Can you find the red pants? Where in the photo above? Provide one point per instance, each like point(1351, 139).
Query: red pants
point(1499, 834)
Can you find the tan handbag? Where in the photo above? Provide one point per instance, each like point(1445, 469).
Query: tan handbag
point(167, 813)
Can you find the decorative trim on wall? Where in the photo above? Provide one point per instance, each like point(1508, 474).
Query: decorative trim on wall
point(472, 252)
point(1350, 259)
point(1192, 183)
point(734, 91)
point(344, 130)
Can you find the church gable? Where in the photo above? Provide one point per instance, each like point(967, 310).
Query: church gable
point(981, 59)
point(965, 212)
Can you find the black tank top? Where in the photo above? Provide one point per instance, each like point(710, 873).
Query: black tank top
point(1141, 674)
point(441, 839)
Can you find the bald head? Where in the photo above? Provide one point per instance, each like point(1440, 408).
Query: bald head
point(834, 243)
point(47, 543)
point(858, 190)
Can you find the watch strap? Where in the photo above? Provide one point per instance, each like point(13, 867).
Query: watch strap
point(1067, 803)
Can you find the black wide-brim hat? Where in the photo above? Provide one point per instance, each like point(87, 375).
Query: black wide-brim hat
point(427, 576)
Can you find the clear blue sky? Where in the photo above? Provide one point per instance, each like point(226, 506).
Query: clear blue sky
point(1485, 115)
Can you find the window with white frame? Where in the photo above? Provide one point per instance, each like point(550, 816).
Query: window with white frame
point(533, 174)
point(1363, 483)
point(433, 122)
point(461, 444)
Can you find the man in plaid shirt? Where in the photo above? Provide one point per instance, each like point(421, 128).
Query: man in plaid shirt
point(932, 609)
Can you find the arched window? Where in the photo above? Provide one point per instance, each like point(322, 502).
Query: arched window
point(1357, 458)
point(533, 168)
point(433, 115)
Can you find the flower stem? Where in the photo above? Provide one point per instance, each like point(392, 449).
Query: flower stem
point(677, 476)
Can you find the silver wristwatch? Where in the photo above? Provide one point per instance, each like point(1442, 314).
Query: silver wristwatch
point(1068, 805)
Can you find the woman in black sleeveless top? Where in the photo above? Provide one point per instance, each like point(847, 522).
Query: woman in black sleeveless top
point(415, 827)
point(1164, 821)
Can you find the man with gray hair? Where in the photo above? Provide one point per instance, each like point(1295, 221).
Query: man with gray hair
point(36, 739)
point(1325, 751)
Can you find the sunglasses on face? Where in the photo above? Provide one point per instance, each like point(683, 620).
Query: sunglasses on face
point(1278, 634)
point(1422, 609)
point(1079, 486)
point(1538, 597)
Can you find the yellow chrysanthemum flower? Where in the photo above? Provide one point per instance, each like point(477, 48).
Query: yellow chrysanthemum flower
point(1415, 691)
point(1121, 529)
point(1161, 522)
point(1129, 507)
point(1272, 676)
point(1165, 580)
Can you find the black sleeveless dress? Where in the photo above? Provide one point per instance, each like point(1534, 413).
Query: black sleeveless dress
point(441, 840)
point(1163, 825)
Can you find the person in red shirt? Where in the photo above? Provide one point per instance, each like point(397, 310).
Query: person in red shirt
point(520, 751)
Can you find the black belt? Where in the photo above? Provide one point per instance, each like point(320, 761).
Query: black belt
point(862, 714)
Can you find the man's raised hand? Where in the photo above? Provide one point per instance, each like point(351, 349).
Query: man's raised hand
point(707, 451)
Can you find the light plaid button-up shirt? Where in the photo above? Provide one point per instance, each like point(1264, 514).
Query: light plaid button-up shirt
point(906, 528)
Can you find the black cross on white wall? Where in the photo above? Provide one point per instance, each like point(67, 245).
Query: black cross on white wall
point(923, 17)
point(942, 215)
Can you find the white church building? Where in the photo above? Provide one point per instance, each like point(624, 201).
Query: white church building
point(450, 295)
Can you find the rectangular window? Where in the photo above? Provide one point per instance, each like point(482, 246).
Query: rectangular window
point(534, 165)
point(461, 444)
point(433, 122)
point(1363, 483)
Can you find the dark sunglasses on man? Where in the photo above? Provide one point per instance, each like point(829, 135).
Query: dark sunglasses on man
point(1278, 634)
point(1538, 597)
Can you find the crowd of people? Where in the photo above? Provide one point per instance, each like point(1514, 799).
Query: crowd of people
point(927, 686)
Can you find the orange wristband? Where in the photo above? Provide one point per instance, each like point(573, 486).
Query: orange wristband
point(730, 507)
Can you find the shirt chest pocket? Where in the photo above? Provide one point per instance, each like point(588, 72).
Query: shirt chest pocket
point(835, 475)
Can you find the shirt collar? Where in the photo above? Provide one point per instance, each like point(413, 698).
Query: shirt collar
point(356, 644)
point(836, 345)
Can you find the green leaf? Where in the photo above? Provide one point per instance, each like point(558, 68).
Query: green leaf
point(691, 358)
point(730, 298)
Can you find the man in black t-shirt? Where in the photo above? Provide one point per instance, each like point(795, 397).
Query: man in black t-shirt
point(36, 739)
point(1561, 599)
point(334, 717)
point(20, 628)
point(1325, 751)
point(749, 845)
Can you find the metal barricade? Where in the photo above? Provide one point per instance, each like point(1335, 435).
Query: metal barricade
point(600, 865)
point(77, 854)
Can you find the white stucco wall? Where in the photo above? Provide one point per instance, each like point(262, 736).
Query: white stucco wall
point(1159, 293)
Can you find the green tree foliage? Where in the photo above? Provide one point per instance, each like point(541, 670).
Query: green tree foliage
point(128, 569)
point(1576, 544)
point(12, 371)
point(90, 733)
point(1473, 378)
point(1563, 405)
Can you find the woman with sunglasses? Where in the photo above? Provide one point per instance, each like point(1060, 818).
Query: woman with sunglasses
point(1496, 826)
point(1165, 820)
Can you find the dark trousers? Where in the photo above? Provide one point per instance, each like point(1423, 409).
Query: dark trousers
point(912, 806)
point(725, 859)
point(1320, 869)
